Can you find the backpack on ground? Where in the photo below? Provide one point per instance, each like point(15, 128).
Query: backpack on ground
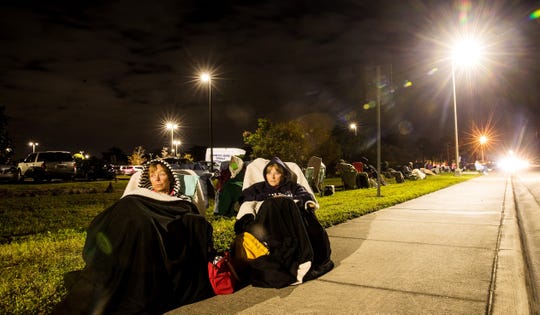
point(221, 274)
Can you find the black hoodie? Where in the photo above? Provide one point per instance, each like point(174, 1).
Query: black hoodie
point(287, 188)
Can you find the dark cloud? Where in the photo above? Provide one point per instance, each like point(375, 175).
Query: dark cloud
point(95, 74)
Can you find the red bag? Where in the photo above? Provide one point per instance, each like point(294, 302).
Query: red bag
point(221, 274)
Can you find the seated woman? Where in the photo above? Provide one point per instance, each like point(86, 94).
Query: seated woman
point(279, 212)
point(146, 254)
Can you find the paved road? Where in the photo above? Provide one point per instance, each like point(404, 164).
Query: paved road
point(454, 251)
point(526, 187)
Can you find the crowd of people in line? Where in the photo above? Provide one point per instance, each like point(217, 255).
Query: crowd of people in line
point(362, 174)
point(149, 252)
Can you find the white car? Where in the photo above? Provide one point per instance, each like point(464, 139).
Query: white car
point(130, 169)
point(47, 165)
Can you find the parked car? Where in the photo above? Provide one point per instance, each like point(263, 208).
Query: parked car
point(47, 165)
point(130, 169)
point(94, 168)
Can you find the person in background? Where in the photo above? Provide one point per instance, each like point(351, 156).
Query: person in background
point(350, 176)
point(229, 188)
point(481, 168)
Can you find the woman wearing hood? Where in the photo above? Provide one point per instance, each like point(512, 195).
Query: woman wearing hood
point(145, 254)
point(278, 182)
point(279, 212)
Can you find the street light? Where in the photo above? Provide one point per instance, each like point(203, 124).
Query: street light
point(171, 126)
point(465, 53)
point(176, 144)
point(353, 127)
point(33, 145)
point(206, 77)
point(483, 140)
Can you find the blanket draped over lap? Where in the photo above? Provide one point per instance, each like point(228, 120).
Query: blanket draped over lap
point(143, 256)
point(280, 225)
point(283, 217)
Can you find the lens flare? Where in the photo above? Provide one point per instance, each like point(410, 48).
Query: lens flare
point(535, 15)
point(405, 127)
point(432, 71)
point(407, 84)
point(464, 8)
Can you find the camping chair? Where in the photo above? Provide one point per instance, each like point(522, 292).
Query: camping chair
point(254, 174)
point(317, 235)
point(190, 188)
point(315, 174)
point(348, 175)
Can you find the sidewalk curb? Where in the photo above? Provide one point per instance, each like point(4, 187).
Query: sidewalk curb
point(528, 220)
point(509, 294)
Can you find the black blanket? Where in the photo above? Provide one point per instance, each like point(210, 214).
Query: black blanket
point(279, 224)
point(143, 256)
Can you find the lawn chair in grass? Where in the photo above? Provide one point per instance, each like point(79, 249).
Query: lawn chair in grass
point(315, 173)
point(348, 174)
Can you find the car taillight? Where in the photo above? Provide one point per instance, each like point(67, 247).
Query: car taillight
point(43, 166)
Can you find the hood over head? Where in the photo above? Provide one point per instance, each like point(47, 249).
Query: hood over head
point(144, 181)
point(287, 174)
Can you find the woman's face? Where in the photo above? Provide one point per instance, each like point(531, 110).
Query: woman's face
point(273, 175)
point(159, 179)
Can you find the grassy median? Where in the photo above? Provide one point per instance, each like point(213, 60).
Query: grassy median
point(42, 230)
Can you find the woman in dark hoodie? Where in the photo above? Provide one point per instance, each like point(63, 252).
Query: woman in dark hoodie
point(280, 213)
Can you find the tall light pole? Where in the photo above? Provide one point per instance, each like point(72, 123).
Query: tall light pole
point(466, 52)
point(483, 140)
point(207, 78)
point(33, 145)
point(171, 126)
point(176, 144)
point(458, 170)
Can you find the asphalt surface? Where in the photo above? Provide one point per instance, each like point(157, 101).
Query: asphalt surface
point(454, 251)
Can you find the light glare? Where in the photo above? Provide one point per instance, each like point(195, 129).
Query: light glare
point(205, 77)
point(512, 163)
point(467, 52)
point(483, 139)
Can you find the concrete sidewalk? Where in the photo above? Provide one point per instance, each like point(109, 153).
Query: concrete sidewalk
point(454, 251)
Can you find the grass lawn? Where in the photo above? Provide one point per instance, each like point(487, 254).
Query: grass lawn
point(43, 230)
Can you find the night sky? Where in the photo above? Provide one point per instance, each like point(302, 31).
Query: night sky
point(91, 75)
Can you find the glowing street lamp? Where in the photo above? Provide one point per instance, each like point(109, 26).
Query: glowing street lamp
point(206, 77)
point(466, 53)
point(483, 140)
point(171, 126)
point(353, 127)
point(33, 145)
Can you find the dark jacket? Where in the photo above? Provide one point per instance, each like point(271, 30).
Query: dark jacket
point(287, 188)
